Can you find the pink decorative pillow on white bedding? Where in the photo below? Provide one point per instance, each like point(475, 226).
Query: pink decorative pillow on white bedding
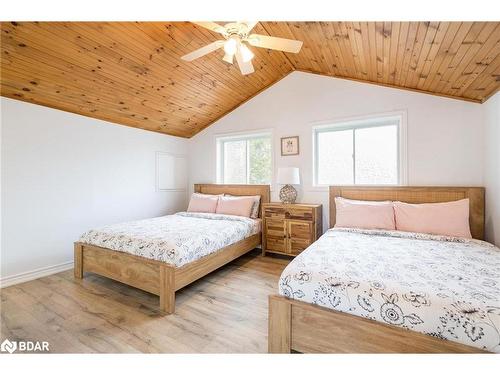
point(256, 203)
point(364, 214)
point(446, 219)
point(203, 203)
point(238, 206)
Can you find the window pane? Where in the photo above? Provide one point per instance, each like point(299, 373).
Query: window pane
point(335, 164)
point(377, 155)
point(260, 160)
point(235, 162)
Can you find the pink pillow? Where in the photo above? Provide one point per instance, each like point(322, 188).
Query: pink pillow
point(203, 203)
point(235, 206)
point(364, 214)
point(447, 219)
point(256, 203)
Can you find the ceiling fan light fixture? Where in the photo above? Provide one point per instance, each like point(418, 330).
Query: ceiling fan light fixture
point(237, 39)
point(246, 53)
point(230, 46)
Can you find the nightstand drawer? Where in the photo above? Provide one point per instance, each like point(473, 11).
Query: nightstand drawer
point(275, 228)
point(274, 212)
point(299, 213)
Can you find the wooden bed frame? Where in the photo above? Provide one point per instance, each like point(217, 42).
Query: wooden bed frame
point(158, 277)
point(307, 328)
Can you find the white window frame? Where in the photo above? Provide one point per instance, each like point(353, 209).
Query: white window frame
point(240, 136)
point(361, 122)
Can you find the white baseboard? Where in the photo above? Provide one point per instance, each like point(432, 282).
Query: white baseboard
point(35, 274)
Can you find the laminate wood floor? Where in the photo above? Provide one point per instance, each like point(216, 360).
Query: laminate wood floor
point(224, 312)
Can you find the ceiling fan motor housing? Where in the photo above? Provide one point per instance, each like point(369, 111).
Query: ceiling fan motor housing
point(239, 30)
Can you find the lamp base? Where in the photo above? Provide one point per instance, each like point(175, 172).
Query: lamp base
point(288, 194)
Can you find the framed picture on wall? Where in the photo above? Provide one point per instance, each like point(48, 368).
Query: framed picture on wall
point(289, 146)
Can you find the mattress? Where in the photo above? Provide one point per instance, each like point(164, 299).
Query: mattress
point(174, 239)
point(445, 287)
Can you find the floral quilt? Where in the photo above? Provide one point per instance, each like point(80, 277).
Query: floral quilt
point(445, 287)
point(175, 239)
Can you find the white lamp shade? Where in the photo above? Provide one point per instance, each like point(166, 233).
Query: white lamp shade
point(288, 176)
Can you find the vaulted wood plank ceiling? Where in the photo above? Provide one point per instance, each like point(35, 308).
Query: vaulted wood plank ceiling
point(131, 72)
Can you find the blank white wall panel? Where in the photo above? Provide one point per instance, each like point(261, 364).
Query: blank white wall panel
point(171, 172)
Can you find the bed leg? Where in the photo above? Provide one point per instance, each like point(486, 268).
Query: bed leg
point(167, 289)
point(78, 261)
point(280, 324)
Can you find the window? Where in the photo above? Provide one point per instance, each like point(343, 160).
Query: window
point(244, 159)
point(361, 152)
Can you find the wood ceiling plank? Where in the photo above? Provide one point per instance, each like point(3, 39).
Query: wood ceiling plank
point(372, 35)
point(360, 49)
point(462, 51)
point(73, 104)
point(132, 72)
point(41, 82)
point(308, 49)
point(46, 73)
point(403, 36)
point(351, 47)
point(393, 50)
point(137, 59)
point(448, 54)
point(425, 71)
point(334, 47)
point(418, 61)
point(492, 88)
point(379, 42)
point(114, 71)
point(415, 52)
point(434, 73)
point(481, 86)
point(342, 39)
point(317, 56)
point(410, 42)
point(331, 61)
point(56, 65)
point(387, 35)
point(481, 54)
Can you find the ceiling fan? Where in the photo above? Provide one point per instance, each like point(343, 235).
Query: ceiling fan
point(236, 36)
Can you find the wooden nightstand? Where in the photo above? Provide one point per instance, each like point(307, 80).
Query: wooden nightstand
point(289, 228)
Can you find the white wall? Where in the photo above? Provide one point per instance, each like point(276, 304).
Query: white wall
point(445, 136)
point(63, 174)
point(492, 168)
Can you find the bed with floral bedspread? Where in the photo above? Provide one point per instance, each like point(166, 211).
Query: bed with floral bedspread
point(175, 239)
point(445, 287)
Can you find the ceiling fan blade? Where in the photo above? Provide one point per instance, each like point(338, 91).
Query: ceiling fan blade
point(245, 67)
point(271, 42)
point(203, 50)
point(211, 26)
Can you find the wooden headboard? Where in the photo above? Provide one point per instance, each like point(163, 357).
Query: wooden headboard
point(263, 190)
point(419, 194)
